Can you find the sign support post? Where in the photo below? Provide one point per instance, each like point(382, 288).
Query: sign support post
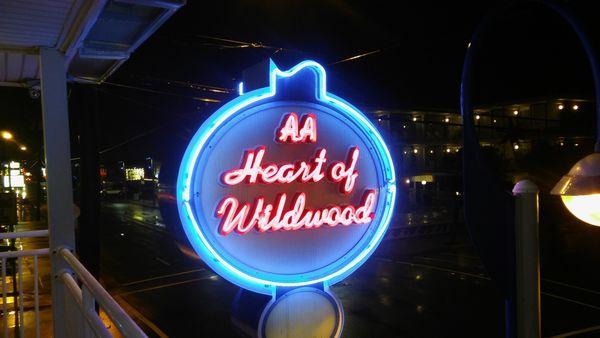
point(55, 114)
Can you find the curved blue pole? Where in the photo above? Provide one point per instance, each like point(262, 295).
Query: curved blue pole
point(489, 208)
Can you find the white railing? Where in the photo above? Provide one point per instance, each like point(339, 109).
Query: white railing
point(20, 255)
point(90, 292)
point(85, 321)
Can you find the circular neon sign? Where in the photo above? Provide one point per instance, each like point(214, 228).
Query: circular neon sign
point(286, 186)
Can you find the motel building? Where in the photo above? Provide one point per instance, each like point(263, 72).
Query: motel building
point(429, 144)
point(43, 46)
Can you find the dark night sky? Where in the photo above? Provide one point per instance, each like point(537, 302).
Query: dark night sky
point(423, 47)
point(422, 44)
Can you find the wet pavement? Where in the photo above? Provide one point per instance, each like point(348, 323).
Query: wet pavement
point(416, 287)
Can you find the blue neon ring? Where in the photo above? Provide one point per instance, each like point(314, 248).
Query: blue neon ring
point(188, 165)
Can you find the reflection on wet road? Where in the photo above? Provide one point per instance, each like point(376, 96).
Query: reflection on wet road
point(417, 287)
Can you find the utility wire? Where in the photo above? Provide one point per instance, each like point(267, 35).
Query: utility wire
point(139, 103)
point(245, 44)
point(193, 85)
point(236, 43)
point(145, 133)
point(140, 135)
point(222, 90)
point(356, 57)
point(154, 91)
point(150, 131)
point(360, 56)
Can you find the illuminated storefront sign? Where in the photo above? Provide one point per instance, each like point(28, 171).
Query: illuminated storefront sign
point(13, 177)
point(134, 174)
point(287, 185)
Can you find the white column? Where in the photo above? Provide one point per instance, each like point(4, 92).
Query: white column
point(58, 174)
point(527, 259)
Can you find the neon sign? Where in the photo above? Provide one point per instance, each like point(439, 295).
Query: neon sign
point(289, 130)
point(287, 185)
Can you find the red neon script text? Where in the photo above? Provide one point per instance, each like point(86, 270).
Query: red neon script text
point(294, 131)
point(262, 216)
point(252, 170)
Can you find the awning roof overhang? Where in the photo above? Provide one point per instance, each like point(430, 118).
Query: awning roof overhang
point(96, 37)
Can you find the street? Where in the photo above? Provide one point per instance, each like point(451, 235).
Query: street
point(408, 285)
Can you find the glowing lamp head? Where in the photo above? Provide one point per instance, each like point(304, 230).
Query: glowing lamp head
point(580, 189)
point(7, 135)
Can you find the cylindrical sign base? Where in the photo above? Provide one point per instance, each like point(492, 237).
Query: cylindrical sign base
point(301, 312)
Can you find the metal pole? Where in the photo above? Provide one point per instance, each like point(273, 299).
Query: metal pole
point(36, 295)
point(527, 259)
point(57, 143)
point(16, 300)
point(21, 313)
point(4, 298)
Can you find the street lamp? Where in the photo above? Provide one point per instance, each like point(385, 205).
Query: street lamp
point(23, 148)
point(7, 135)
point(579, 189)
point(504, 228)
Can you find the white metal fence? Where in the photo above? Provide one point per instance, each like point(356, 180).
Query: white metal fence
point(83, 293)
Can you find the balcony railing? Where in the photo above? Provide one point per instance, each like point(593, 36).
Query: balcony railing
point(83, 293)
